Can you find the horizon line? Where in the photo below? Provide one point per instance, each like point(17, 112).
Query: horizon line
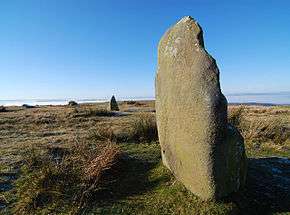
point(140, 97)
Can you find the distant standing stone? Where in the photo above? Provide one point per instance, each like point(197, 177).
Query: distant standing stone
point(113, 105)
point(197, 144)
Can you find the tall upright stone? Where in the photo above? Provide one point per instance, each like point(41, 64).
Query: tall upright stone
point(198, 145)
point(113, 105)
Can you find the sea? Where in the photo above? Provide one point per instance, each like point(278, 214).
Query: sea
point(40, 102)
point(267, 99)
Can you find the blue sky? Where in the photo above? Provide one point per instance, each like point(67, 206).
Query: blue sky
point(94, 48)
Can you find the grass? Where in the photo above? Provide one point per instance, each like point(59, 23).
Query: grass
point(149, 188)
point(236, 116)
point(86, 161)
point(89, 112)
point(58, 176)
point(102, 133)
point(144, 128)
point(262, 129)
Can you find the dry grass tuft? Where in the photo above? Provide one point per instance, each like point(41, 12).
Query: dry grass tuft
point(102, 133)
point(263, 130)
point(236, 116)
point(270, 111)
point(135, 103)
point(90, 112)
point(58, 176)
point(144, 128)
point(97, 171)
point(104, 161)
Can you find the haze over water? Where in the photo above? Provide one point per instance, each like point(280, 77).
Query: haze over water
point(282, 98)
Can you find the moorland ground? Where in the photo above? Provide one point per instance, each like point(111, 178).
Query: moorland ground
point(83, 159)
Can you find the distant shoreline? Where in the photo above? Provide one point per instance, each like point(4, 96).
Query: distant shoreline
point(264, 99)
point(46, 102)
point(61, 103)
point(258, 104)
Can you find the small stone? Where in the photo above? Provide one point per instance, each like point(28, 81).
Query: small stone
point(27, 106)
point(72, 103)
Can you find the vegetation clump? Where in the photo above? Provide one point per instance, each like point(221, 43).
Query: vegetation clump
point(264, 130)
point(144, 128)
point(102, 133)
point(100, 112)
point(91, 112)
point(236, 116)
point(2, 109)
point(54, 180)
point(130, 102)
point(72, 103)
point(135, 103)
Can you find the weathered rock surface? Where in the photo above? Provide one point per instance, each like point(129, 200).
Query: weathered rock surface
point(205, 153)
point(113, 105)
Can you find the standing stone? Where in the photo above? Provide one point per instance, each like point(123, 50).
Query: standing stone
point(198, 145)
point(113, 106)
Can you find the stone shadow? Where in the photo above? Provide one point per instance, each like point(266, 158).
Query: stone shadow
point(132, 180)
point(267, 188)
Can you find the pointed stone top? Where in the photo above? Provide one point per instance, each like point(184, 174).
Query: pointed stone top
point(182, 38)
point(192, 25)
point(113, 105)
point(186, 19)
